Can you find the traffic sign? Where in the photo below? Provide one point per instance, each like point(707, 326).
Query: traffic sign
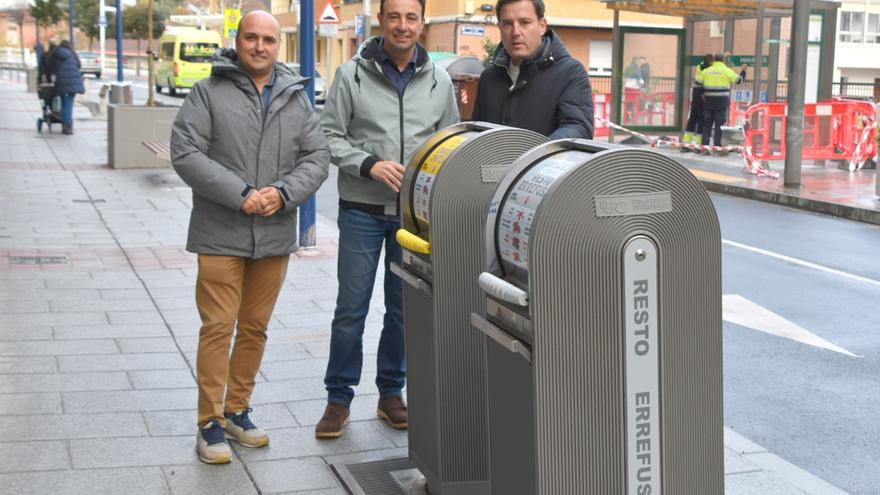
point(102, 21)
point(232, 17)
point(329, 15)
point(359, 22)
point(328, 30)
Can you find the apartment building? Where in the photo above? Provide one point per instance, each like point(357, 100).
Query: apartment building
point(857, 53)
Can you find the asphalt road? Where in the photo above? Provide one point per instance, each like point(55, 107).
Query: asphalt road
point(811, 406)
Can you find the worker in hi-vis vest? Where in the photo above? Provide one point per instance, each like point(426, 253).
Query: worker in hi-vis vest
point(717, 80)
point(693, 132)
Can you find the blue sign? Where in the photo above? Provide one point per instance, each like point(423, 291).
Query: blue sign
point(102, 20)
point(359, 22)
point(763, 97)
point(473, 31)
point(743, 95)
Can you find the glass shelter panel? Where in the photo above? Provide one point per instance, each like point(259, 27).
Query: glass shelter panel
point(651, 79)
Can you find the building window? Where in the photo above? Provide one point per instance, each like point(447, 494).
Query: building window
point(852, 24)
point(716, 29)
point(872, 31)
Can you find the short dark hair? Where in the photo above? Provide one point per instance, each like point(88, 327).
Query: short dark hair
point(382, 7)
point(539, 7)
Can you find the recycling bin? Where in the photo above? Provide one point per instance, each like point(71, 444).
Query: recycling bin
point(444, 199)
point(602, 323)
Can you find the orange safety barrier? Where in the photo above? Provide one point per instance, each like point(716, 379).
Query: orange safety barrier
point(737, 114)
point(602, 112)
point(843, 130)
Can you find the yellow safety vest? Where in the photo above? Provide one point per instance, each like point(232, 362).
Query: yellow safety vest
point(717, 80)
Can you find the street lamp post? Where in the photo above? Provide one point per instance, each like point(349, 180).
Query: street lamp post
point(70, 22)
point(119, 74)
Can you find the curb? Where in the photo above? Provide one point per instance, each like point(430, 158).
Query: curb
point(793, 201)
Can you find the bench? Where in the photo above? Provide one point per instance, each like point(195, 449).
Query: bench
point(159, 147)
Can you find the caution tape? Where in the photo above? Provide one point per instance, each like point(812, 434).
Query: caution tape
point(860, 153)
point(697, 147)
point(752, 166)
point(612, 125)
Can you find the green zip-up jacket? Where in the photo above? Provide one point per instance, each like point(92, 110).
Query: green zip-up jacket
point(366, 121)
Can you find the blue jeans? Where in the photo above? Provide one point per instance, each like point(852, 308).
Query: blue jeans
point(67, 108)
point(361, 236)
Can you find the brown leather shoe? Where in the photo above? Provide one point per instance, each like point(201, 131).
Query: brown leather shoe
point(393, 410)
point(333, 422)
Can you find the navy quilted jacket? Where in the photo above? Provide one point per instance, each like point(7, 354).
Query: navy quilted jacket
point(64, 67)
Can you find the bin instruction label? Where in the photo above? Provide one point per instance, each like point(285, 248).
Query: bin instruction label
point(642, 357)
point(428, 173)
point(518, 210)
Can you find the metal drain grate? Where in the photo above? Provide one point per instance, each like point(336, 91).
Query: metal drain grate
point(38, 260)
point(385, 477)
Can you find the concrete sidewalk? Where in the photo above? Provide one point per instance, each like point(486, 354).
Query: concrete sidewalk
point(98, 331)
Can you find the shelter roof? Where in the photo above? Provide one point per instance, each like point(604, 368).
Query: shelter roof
point(705, 10)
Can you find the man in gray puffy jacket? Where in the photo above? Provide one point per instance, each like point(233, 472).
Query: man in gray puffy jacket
point(248, 143)
point(384, 103)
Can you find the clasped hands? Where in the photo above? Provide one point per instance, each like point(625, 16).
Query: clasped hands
point(264, 202)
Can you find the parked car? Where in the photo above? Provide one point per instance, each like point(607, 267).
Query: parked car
point(320, 89)
point(90, 63)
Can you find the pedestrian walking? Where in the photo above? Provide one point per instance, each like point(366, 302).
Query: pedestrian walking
point(533, 83)
point(693, 132)
point(249, 144)
point(64, 68)
point(383, 104)
point(44, 71)
point(717, 80)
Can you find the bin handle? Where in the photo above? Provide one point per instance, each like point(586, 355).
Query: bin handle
point(411, 278)
point(412, 242)
point(498, 335)
point(503, 290)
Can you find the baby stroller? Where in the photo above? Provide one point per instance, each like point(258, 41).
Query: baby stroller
point(51, 107)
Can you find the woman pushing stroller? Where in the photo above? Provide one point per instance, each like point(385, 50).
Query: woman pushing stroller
point(64, 68)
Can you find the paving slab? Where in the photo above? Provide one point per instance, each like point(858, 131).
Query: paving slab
point(121, 362)
point(202, 479)
point(86, 482)
point(71, 332)
point(34, 456)
point(124, 452)
point(129, 400)
point(63, 382)
point(71, 426)
point(29, 403)
point(283, 475)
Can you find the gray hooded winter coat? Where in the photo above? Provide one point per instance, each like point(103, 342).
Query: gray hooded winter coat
point(224, 147)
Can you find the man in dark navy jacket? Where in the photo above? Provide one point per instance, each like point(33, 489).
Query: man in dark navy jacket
point(533, 83)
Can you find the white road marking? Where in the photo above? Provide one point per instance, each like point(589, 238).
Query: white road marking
point(741, 311)
point(807, 264)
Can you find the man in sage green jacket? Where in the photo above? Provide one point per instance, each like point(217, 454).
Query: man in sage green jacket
point(384, 103)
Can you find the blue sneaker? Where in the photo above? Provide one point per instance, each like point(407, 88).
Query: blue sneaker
point(240, 428)
point(211, 444)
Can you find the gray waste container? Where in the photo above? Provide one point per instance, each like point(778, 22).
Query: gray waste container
point(603, 326)
point(32, 75)
point(120, 93)
point(444, 199)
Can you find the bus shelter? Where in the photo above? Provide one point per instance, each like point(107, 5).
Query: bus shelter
point(788, 46)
